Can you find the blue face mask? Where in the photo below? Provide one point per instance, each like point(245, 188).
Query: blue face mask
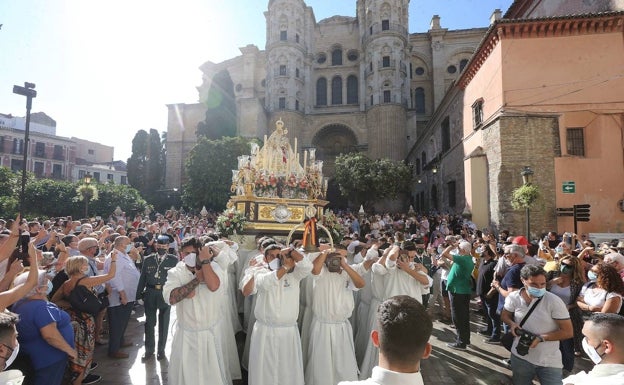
point(128, 248)
point(49, 287)
point(592, 276)
point(559, 250)
point(535, 292)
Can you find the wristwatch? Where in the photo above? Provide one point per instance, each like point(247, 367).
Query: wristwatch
point(204, 262)
point(540, 338)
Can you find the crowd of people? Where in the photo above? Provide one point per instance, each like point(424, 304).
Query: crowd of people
point(360, 310)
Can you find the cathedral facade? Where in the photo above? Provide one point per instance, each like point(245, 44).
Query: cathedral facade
point(340, 84)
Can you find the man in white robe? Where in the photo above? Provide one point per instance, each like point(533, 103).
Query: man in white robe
point(331, 354)
point(275, 352)
point(194, 288)
point(403, 275)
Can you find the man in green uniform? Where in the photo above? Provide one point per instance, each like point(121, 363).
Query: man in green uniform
point(153, 278)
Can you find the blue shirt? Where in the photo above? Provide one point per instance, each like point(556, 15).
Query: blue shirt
point(34, 315)
point(511, 279)
point(126, 279)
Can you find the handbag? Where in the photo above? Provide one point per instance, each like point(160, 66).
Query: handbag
point(508, 338)
point(84, 300)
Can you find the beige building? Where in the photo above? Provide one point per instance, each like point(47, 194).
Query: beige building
point(544, 90)
point(340, 84)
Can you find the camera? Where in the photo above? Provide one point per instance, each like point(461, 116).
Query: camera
point(525, 341)
point(333, 261)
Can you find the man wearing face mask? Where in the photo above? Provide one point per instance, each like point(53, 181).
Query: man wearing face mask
point(9, 347)
point(193, 286)
point(604, 345)
point(535, 350)
point(275, 356)
point(122, 294)
point(153, 277)
point(330, 353)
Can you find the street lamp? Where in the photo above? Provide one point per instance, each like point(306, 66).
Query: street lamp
point(526, 180)
point(87, 192)
point(29, 91)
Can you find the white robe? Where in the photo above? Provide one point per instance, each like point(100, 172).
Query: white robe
point(249, 273)
point(225, 260)
point(371, 354)
point(398, 282)
point(362, 331)
point(275, 352)
point(196, 348)
point(331, 354)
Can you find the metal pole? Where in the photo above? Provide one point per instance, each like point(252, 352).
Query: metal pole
point(87, 206)
point(528, 224)
point(24, 165)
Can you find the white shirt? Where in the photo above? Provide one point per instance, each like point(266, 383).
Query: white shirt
point(126, 278)
point(383, 376)
point(543, 320)
point(603, 374)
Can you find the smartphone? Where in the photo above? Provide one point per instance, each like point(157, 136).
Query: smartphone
point(24, 240)
point(99, 218)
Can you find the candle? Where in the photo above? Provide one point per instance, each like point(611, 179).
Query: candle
point(295, 150)
point(305, 160)
point(326, 184)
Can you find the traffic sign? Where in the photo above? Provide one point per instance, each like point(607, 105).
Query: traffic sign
point(569, 187)
point(565, 211)
point(581, 213)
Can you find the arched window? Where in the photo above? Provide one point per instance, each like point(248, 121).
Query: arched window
point(352, 90)
point(321, 92)
point(336, 90)
point(462, 64)
point(419, 100)
point(337, 57)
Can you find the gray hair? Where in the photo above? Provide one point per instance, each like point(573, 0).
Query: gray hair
point(23, 277)
point(514, 249)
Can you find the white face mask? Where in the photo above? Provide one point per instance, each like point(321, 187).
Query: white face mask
point(190, 259)
point(591, 351)
point(440, 249)
point(275, 264)
point(128, 248)
point(12, 357)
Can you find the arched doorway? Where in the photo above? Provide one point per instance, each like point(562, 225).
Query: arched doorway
point(331, 141)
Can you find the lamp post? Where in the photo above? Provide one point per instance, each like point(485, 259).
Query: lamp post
point(526, 180)
point(87, 192)
point(29, 91)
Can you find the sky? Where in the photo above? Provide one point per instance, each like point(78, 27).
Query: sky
point(106, 69)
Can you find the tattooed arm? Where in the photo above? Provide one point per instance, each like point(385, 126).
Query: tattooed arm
point(184, 291)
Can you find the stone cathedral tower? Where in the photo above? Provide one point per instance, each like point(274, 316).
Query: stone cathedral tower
point(383, 27)
point(289, 43)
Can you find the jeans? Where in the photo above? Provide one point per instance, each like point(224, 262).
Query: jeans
point(51, 374)
point(492, 318)
point(524, 371)
point(460, 313)
point(567, 353)
point(118, 317)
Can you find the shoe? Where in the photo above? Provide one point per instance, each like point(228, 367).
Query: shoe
point(492, 341)
point(102, 341)
point(118, 354)
point(484, 332)
point(161, 356)
point(147, 356)
point(456, 346)
point(127, 344)
point(506, 362)
point(91, 379)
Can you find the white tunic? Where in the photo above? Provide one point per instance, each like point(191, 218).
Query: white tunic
point(275, 352)
point(196, 348)
point(398, 282)
point(371, 354)
point(331, 354)
point(362, 331)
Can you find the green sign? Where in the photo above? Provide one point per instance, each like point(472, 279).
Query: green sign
point(569, 187)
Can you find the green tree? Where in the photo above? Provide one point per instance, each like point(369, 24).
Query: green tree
point(146, 165)
point(366, 181)
point(51, 198)
point(112, 195)
point(221, 109)
point(9, 192)
point(209, 171)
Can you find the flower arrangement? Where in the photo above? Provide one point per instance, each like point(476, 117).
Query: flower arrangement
point(266, 186)
point(524, 196)
point(87, 191)
point(293, 187)
point(331, 222)
point(231, 222)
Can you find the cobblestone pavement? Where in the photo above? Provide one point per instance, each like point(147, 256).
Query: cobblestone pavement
point(481, 363)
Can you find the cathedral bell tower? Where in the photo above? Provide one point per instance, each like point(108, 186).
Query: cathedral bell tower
point(383, 29)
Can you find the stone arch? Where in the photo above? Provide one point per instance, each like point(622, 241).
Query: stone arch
point(331, 141)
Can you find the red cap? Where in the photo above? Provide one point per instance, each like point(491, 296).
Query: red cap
point(520, 240)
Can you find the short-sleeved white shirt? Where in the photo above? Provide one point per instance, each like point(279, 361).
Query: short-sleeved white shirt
point(541, 321)
point(595, 296)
